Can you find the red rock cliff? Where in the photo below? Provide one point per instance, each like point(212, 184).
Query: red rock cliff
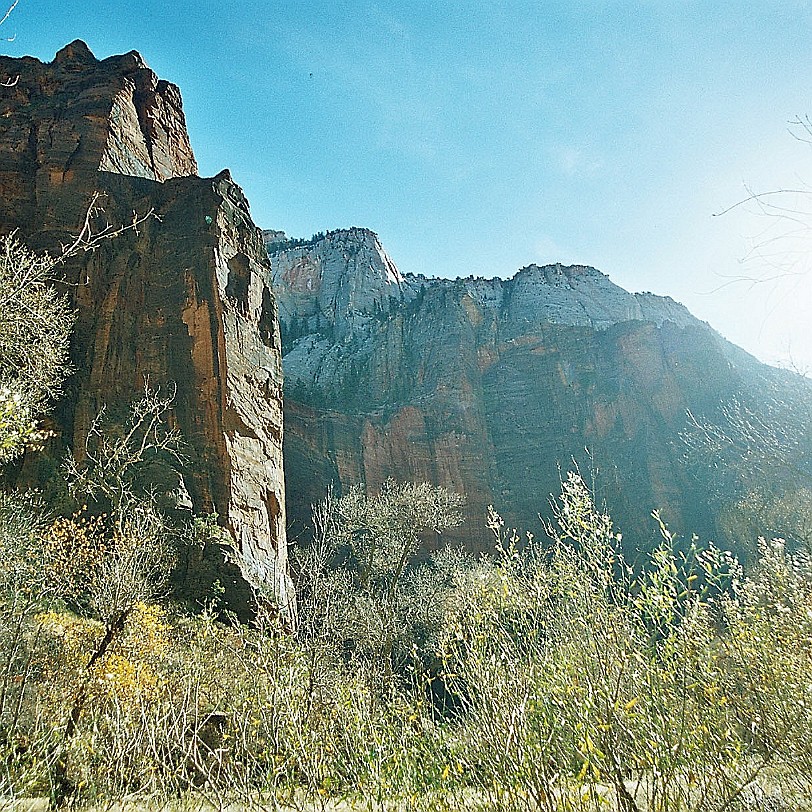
point(183, 299)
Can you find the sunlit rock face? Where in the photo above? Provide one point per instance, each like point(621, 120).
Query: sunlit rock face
point(493, 387)
point(182, 302)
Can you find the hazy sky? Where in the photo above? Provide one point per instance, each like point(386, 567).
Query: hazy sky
point(476, 138)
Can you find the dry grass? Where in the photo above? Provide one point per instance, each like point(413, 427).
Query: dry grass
point(553, 679)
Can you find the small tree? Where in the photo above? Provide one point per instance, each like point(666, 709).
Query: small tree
point(760, 456)
point(124, 557)
point(355, 584)
point(35, 323)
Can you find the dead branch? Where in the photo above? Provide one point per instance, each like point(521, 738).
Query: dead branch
point(89, 238)
point(9, 82)
point(758, 197)
point(8, 12)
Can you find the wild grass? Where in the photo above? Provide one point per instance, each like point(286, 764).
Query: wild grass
point(551, 676)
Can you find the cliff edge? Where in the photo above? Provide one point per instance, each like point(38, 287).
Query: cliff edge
point(184, 300)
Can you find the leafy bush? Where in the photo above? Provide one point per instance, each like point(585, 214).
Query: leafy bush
point(552, 676)
point(359, 596)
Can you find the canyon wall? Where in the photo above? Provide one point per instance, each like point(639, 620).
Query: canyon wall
point(182, 302)
point(494, 387)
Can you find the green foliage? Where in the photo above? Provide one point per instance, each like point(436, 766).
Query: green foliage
point(358, 594)
point(381, 532)
point(105, 564)
point(581, 677)
point(552, 676)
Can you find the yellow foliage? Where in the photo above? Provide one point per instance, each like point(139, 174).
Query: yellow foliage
point(72, 550)
point(129, 670)
point(75, 635)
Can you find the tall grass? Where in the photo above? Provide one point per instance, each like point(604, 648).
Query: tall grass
point(550, 676)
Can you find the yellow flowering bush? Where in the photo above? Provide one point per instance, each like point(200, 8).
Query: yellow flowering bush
point(130, 668)
point(72, 550)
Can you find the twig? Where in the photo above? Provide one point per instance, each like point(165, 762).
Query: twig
point(88, 240)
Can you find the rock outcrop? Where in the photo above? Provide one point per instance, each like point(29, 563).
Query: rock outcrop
point(182, 301)
point(491, 386)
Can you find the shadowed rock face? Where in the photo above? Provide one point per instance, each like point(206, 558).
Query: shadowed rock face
point(488, 386)
point(181, 302)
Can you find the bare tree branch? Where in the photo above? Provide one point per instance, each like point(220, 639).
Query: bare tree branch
point(8, 12)
point(9, 82)
point(90, 237)
point(759, 196)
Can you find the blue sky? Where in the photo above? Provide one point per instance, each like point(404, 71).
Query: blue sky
point(476, 138)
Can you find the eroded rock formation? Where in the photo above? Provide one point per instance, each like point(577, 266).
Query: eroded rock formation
point(491, 387)
point(182, 301)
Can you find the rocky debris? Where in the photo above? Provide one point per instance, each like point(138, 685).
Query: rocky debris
point(182, 301)
point(489, 386)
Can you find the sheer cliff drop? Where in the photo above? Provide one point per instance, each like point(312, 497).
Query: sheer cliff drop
point(184, 299)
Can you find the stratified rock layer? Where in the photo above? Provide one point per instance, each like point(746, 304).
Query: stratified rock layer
point(180, 302)
point(491, 387)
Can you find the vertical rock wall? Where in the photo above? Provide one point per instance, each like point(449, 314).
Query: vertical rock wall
point(182, 302)
point(492, 387)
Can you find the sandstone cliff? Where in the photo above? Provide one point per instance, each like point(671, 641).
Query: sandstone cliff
point(181, 301)
point(487, 386)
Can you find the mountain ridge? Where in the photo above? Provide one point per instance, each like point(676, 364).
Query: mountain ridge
point(487, 386)
point(552, 274)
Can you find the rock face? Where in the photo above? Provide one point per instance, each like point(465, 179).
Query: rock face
point(183, 301)
point(489, 386)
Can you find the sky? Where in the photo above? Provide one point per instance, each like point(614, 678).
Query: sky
point(477, 138)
